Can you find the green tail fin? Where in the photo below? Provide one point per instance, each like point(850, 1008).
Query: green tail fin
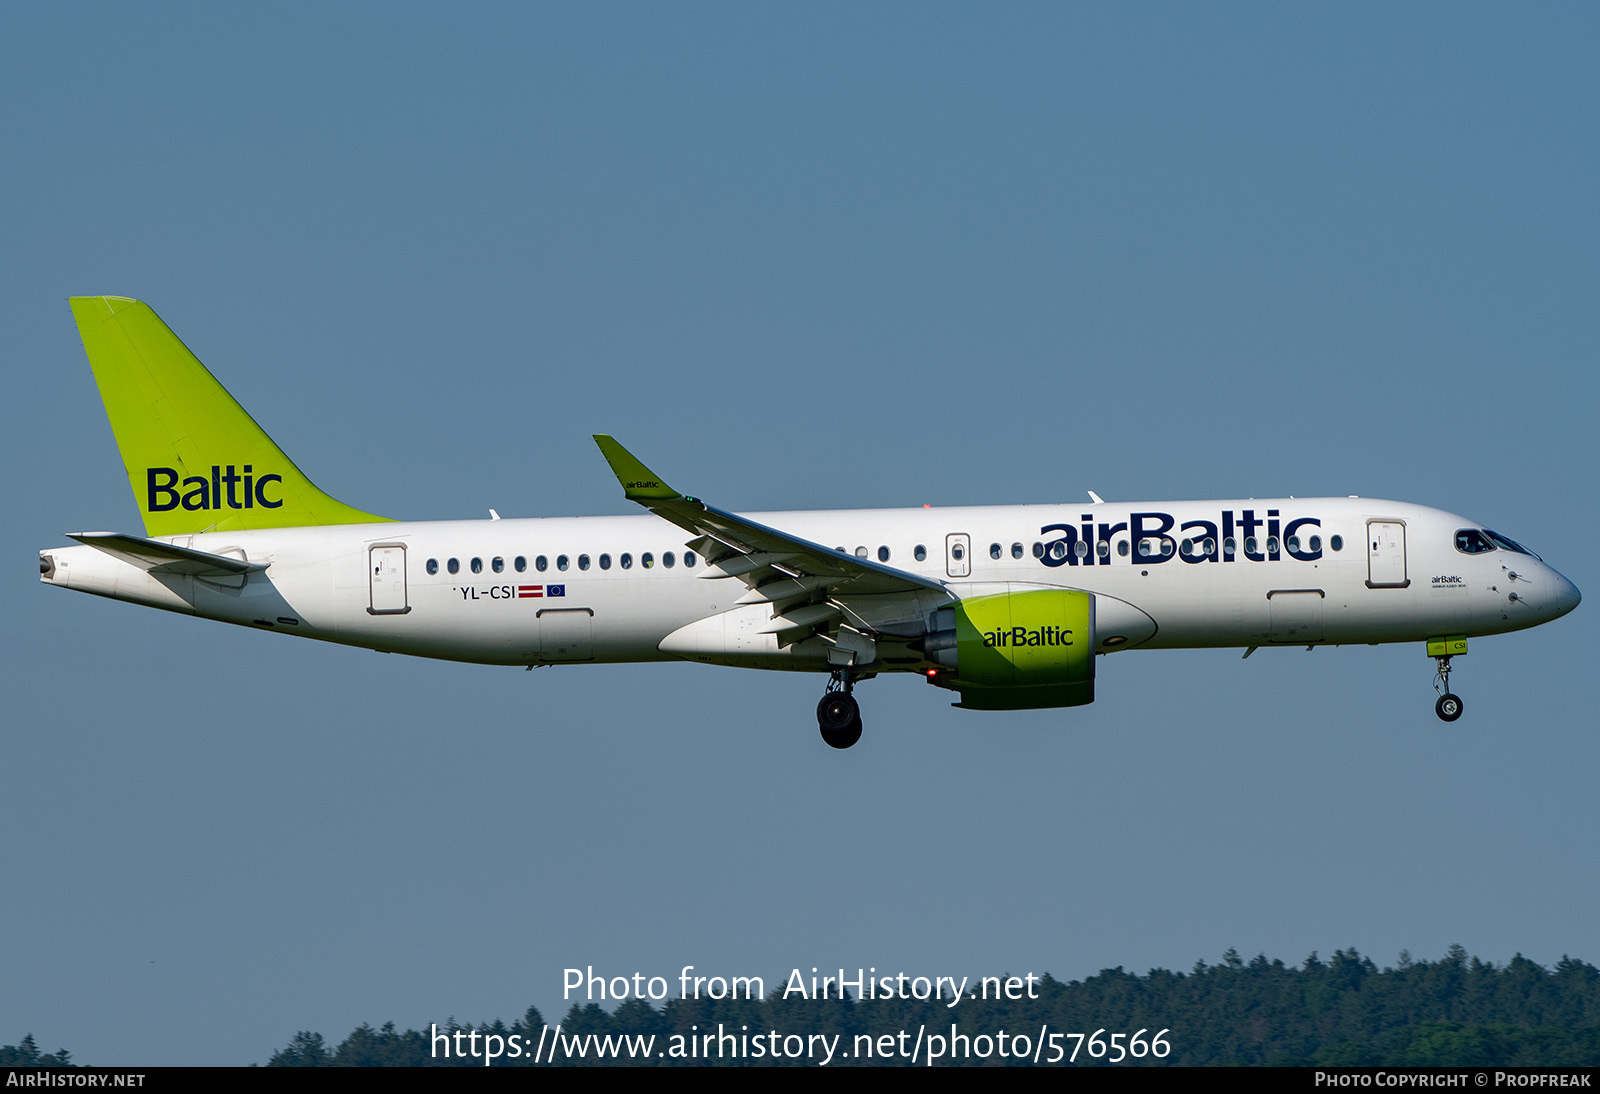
point(196, 461)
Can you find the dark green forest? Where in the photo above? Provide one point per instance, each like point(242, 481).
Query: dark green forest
point(1457, 1011)
point(27, 1054)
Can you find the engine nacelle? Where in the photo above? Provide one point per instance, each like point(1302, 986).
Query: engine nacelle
point(1017, 650)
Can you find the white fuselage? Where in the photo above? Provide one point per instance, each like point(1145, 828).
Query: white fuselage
point(1166, 575)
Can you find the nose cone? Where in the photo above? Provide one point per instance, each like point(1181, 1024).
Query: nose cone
point(1564, 596)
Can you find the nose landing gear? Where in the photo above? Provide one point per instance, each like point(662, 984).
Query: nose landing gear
point(1449, 707)
point(838, 715)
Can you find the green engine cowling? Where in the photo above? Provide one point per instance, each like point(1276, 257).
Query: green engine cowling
point(1019, 650)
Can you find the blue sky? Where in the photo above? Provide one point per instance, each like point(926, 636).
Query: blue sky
point(819, 257)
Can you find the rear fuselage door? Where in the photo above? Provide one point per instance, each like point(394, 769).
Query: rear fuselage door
point(386, 575)
point(958, 554)
point(1386, 555)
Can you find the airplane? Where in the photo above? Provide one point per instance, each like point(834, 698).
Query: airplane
point(1005, 606)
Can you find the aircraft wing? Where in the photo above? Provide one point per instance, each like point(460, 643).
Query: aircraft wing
point(165, 558)
point(808, 584)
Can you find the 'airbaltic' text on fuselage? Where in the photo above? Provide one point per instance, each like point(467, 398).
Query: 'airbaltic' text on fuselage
point(1231, 537)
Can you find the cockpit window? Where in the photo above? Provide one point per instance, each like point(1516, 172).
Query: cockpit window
point(1508, 544)
point(1470, 541)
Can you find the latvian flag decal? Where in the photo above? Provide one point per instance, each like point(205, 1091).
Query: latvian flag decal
point(524, 591)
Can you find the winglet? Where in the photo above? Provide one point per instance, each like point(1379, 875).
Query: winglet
point(639, 483)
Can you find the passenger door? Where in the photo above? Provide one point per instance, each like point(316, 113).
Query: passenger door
point(386, 577)
point(1386, 555)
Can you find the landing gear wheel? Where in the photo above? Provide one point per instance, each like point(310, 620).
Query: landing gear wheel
point(838, 715)
point(843, 738)
point(836, 711)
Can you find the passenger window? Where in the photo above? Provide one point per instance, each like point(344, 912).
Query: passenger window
point(1315, 544)
point(433, 565)
point(1250, 545)
point(1186, 548)
point(626, 560)
point(861, 552)
point(883, 554)
point(1122, 548)
point(688, 560)
point(1228, 545)
point(521, 564)
point(647, 560)
point(605, 562)
point(561, 562)
point(1336, 542)
point(1210, 546)
point(1272, 545)
point(1058, 549)
point(668, 560)
point(498, 565)
point(1016, 550)
point(583, 562)
point(920, 553)
point(541, 564)
point(1292, 543)
point(1103, 549)
point(994, 550)
point(454, 566)
point(957, 552)
point(477, 565)
point(1082, 549)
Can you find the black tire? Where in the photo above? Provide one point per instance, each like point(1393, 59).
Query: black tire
point(1449, 707)
point(843, 738)
point(836, 711)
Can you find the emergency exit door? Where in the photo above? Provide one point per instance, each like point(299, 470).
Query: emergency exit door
point(958, 554)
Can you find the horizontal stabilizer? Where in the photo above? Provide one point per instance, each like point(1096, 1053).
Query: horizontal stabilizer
point(166, 558)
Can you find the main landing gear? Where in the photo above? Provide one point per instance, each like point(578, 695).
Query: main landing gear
point(838, 715)
point(1449, 707)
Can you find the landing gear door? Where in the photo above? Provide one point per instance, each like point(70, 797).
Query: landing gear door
point(386, 575)
point(958, 554)
point(1386, 555)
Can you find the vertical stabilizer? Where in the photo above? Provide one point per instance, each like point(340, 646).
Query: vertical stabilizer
point(195, 460)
